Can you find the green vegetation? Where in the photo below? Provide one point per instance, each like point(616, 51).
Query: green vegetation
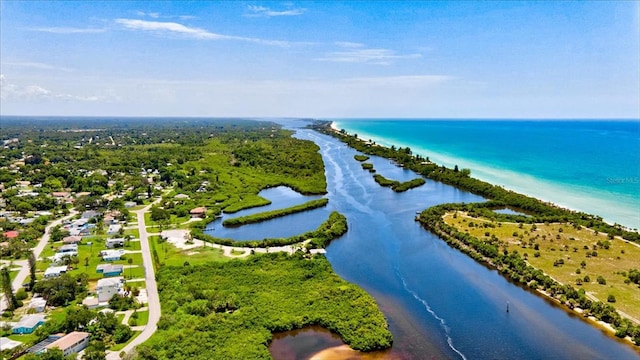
point(230, 310)
point(268, 215)
point(497, 239)
point(396, 185)
point(368, 166)
point(361, 158)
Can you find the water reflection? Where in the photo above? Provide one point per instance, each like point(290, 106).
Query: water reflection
point(281, 197)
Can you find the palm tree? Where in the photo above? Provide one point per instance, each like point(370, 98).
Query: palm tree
point(130, 261)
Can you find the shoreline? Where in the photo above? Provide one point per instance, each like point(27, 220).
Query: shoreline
point(605, 327)
point(538, 183)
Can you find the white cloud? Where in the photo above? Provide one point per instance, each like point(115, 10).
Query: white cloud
point(37, 65)
point(68, 30)
point(349, 44)
point(10, 92)
point(356, 54)
point(401, 81)
point(261, 11)
point(161, 27)
point(154, 15)
point(169, 27)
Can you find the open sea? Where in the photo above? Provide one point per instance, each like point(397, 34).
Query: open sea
point(586, 165)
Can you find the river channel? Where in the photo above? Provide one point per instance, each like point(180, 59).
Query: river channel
point(440, 303)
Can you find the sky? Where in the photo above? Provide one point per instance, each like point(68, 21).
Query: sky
point(321, 59)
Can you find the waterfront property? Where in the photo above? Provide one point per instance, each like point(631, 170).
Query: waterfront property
point(198, 212)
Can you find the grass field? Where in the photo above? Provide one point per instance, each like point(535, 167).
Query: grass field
point(578, 257)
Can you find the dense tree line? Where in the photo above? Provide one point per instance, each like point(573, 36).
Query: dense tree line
point(230, 310)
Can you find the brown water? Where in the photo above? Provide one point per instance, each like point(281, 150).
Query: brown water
point(318, 343)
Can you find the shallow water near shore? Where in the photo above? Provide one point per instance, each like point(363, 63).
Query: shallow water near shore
point(439, 302)
point(590, 166)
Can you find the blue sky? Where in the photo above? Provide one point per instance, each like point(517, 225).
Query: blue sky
point(324, 59)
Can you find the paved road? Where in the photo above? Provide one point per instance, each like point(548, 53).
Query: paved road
point(152, 289)
point(24, 264)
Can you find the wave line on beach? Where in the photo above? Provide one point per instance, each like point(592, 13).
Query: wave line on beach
point(426, 305)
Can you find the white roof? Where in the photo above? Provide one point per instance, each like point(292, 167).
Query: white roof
point(29, 321)
point(55, 270)
point(8, 344)
point(37, 302)
point(112, 253)
point(109, 282)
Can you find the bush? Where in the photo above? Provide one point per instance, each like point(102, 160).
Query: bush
point(21, 294)
point(611, 298)
point(601, 280)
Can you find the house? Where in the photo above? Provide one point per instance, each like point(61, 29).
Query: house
point(70, 249)
point(11, 234)
point(89, 214)
point(55, 271)
point(60, 258)
point(109, 269)
point(181, 197)
point(111, 255)
point(60, 194)
point(91, 302)
point(130, 204)
point(107, 287)
point(198, 212)
point(114, 229)
point(114, 243)
point(79, 231)
point(72, 240)
point(73, 342)
point(109, 220)
point(79, 223)
point(38, 304)
point(27, 324)
point(8, 344)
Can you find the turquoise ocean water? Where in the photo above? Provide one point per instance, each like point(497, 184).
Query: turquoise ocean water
point(591, 166)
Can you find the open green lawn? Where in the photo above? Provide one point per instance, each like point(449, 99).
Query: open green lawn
point(173, 223)
point(135, 233)
point(170, 255)
point(143, 318)
point(611, 259)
